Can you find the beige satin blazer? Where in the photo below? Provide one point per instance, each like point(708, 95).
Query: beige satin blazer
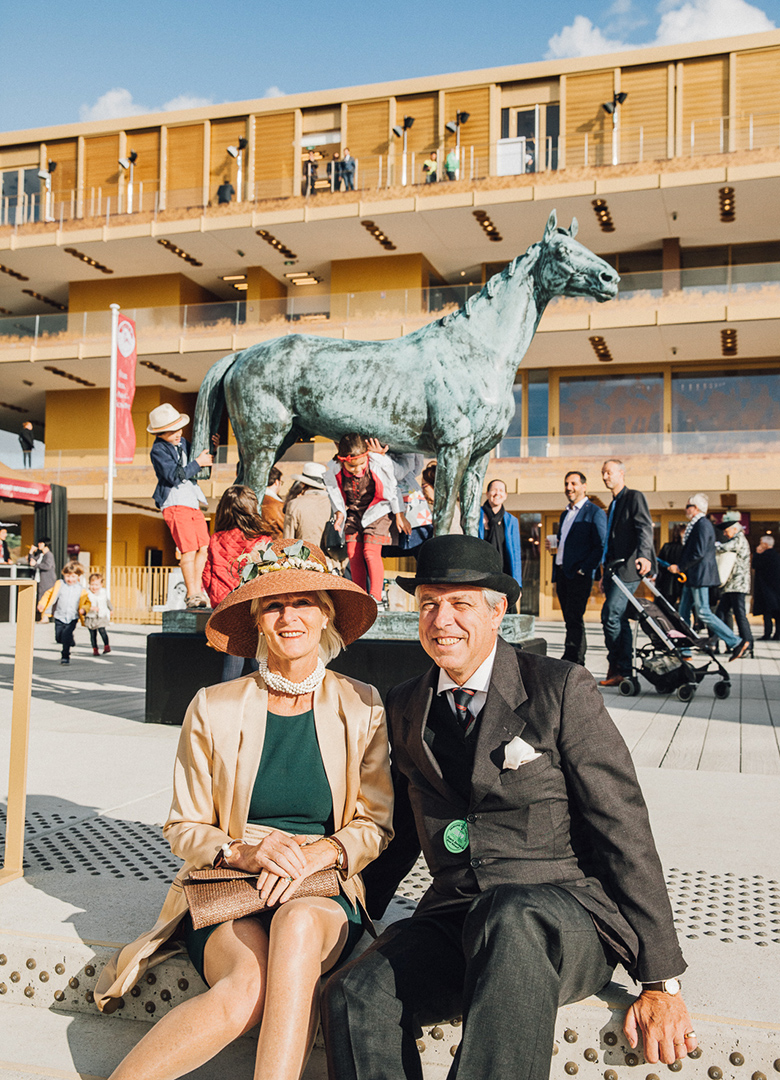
point(217, 760)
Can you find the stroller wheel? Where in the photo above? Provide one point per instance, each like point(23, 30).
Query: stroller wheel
point(686, 692)
point(722, 690)
point(629, 687)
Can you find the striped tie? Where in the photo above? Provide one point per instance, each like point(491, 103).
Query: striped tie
point(462, 696)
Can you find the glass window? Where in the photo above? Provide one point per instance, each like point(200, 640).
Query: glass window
point(536, 435)
point(726, 401)
point(611, 404)
point(553, 131)
point(538, 400)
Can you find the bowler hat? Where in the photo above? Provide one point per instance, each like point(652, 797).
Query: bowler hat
point(461, 560)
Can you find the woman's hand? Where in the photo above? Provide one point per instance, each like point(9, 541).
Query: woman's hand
point(276, 853)
point(276, 888)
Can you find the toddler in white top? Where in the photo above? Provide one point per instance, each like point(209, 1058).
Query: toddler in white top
point(98, 614)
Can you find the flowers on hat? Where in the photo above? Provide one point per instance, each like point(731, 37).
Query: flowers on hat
point(262, 559)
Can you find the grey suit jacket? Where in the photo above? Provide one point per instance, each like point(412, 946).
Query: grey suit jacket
point(574, 817)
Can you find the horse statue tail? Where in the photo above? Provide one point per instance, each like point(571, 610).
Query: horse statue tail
point(210, 404)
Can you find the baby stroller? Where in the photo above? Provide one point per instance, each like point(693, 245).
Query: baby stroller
point(661, 660)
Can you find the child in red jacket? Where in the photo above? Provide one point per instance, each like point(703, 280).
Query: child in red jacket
point(237, 528)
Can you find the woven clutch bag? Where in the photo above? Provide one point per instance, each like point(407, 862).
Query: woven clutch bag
point(217, 895)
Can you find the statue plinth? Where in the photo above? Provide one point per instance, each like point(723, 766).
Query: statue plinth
point(403, 626)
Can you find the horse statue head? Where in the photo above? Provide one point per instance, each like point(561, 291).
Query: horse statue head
point(567, 268)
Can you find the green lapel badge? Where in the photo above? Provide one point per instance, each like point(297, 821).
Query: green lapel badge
point(456, 836)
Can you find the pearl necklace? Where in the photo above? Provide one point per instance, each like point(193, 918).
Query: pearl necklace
point(274, 681)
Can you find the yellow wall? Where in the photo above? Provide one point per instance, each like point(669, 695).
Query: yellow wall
point(66, 409)
point(585, 116)
point(65, 154)
point(132, 534)
point(388, 274)
point(274, 155)
point(159, 290)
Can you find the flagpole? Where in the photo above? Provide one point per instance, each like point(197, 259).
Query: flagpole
point(111, 444)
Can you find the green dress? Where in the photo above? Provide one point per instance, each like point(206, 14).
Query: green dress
point(291, 792)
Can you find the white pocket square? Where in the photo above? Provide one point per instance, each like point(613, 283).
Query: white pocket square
point(518, 752)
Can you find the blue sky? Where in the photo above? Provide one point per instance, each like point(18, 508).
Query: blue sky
point(63, 62)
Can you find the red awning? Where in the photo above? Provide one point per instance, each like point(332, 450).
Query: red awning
point(25, 491)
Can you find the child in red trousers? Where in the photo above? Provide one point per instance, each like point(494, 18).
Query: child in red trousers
point(362, 488)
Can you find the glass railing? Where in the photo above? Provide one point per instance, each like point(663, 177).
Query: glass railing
point(297, 313)
point(400, 310)
point(600, 146)
point(653, 443)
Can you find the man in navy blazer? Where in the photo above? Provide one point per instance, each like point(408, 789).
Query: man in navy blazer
point(582, 530)
point(701, 570)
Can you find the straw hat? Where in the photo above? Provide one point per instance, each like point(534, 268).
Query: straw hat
point(166, 418)
point(312, 474)
point(281, 567)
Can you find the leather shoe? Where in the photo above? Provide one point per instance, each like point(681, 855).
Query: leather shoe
point(612, 680)
point(739, 650)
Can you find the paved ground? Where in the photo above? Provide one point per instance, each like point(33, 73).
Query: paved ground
point(99, 787)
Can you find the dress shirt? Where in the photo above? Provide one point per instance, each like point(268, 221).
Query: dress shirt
point(571, 512)
point(478, 682)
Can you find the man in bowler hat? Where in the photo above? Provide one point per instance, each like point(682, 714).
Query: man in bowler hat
point(512, 779)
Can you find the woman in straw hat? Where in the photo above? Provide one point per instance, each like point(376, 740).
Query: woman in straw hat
point(282, 773)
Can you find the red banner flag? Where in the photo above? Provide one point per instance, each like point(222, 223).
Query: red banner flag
point(125, 390)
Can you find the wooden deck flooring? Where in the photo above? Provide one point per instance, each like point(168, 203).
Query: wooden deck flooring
point(739, 735)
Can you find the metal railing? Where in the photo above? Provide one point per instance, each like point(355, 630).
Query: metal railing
point(136, 591)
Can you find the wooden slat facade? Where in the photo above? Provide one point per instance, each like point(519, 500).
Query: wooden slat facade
point(585, 116)
point(185, 160)
point(424, 136)
point(146, 144)
point(476, 131)
point(65, 153)
point(757, 95)
point(645, 108)
point(705, 99)
point(225, 133)
point(101, 165)
point(274, 155)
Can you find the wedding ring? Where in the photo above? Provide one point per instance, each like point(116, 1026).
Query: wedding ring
point(690, 1034)
point(288, 878)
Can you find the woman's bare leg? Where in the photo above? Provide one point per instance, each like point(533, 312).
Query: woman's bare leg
point(306, 939)
point(235, 960)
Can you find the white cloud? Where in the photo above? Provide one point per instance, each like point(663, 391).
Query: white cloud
point(700, 20)
point(680, 21)
point(111, 105)
point(186, 101)
point(581, 38)
point(273, 91)
point(119, 102)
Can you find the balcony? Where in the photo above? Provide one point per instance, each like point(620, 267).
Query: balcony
point(488, 165)
point(679, 299)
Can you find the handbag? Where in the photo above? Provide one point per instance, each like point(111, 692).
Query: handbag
point(725, 561)
point(219, 894)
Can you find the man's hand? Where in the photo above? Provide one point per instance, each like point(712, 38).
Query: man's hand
point(205, 458)
point(643, 566)
point(665, 1026)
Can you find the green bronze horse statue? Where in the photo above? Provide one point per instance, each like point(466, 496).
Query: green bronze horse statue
point(444, 390)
